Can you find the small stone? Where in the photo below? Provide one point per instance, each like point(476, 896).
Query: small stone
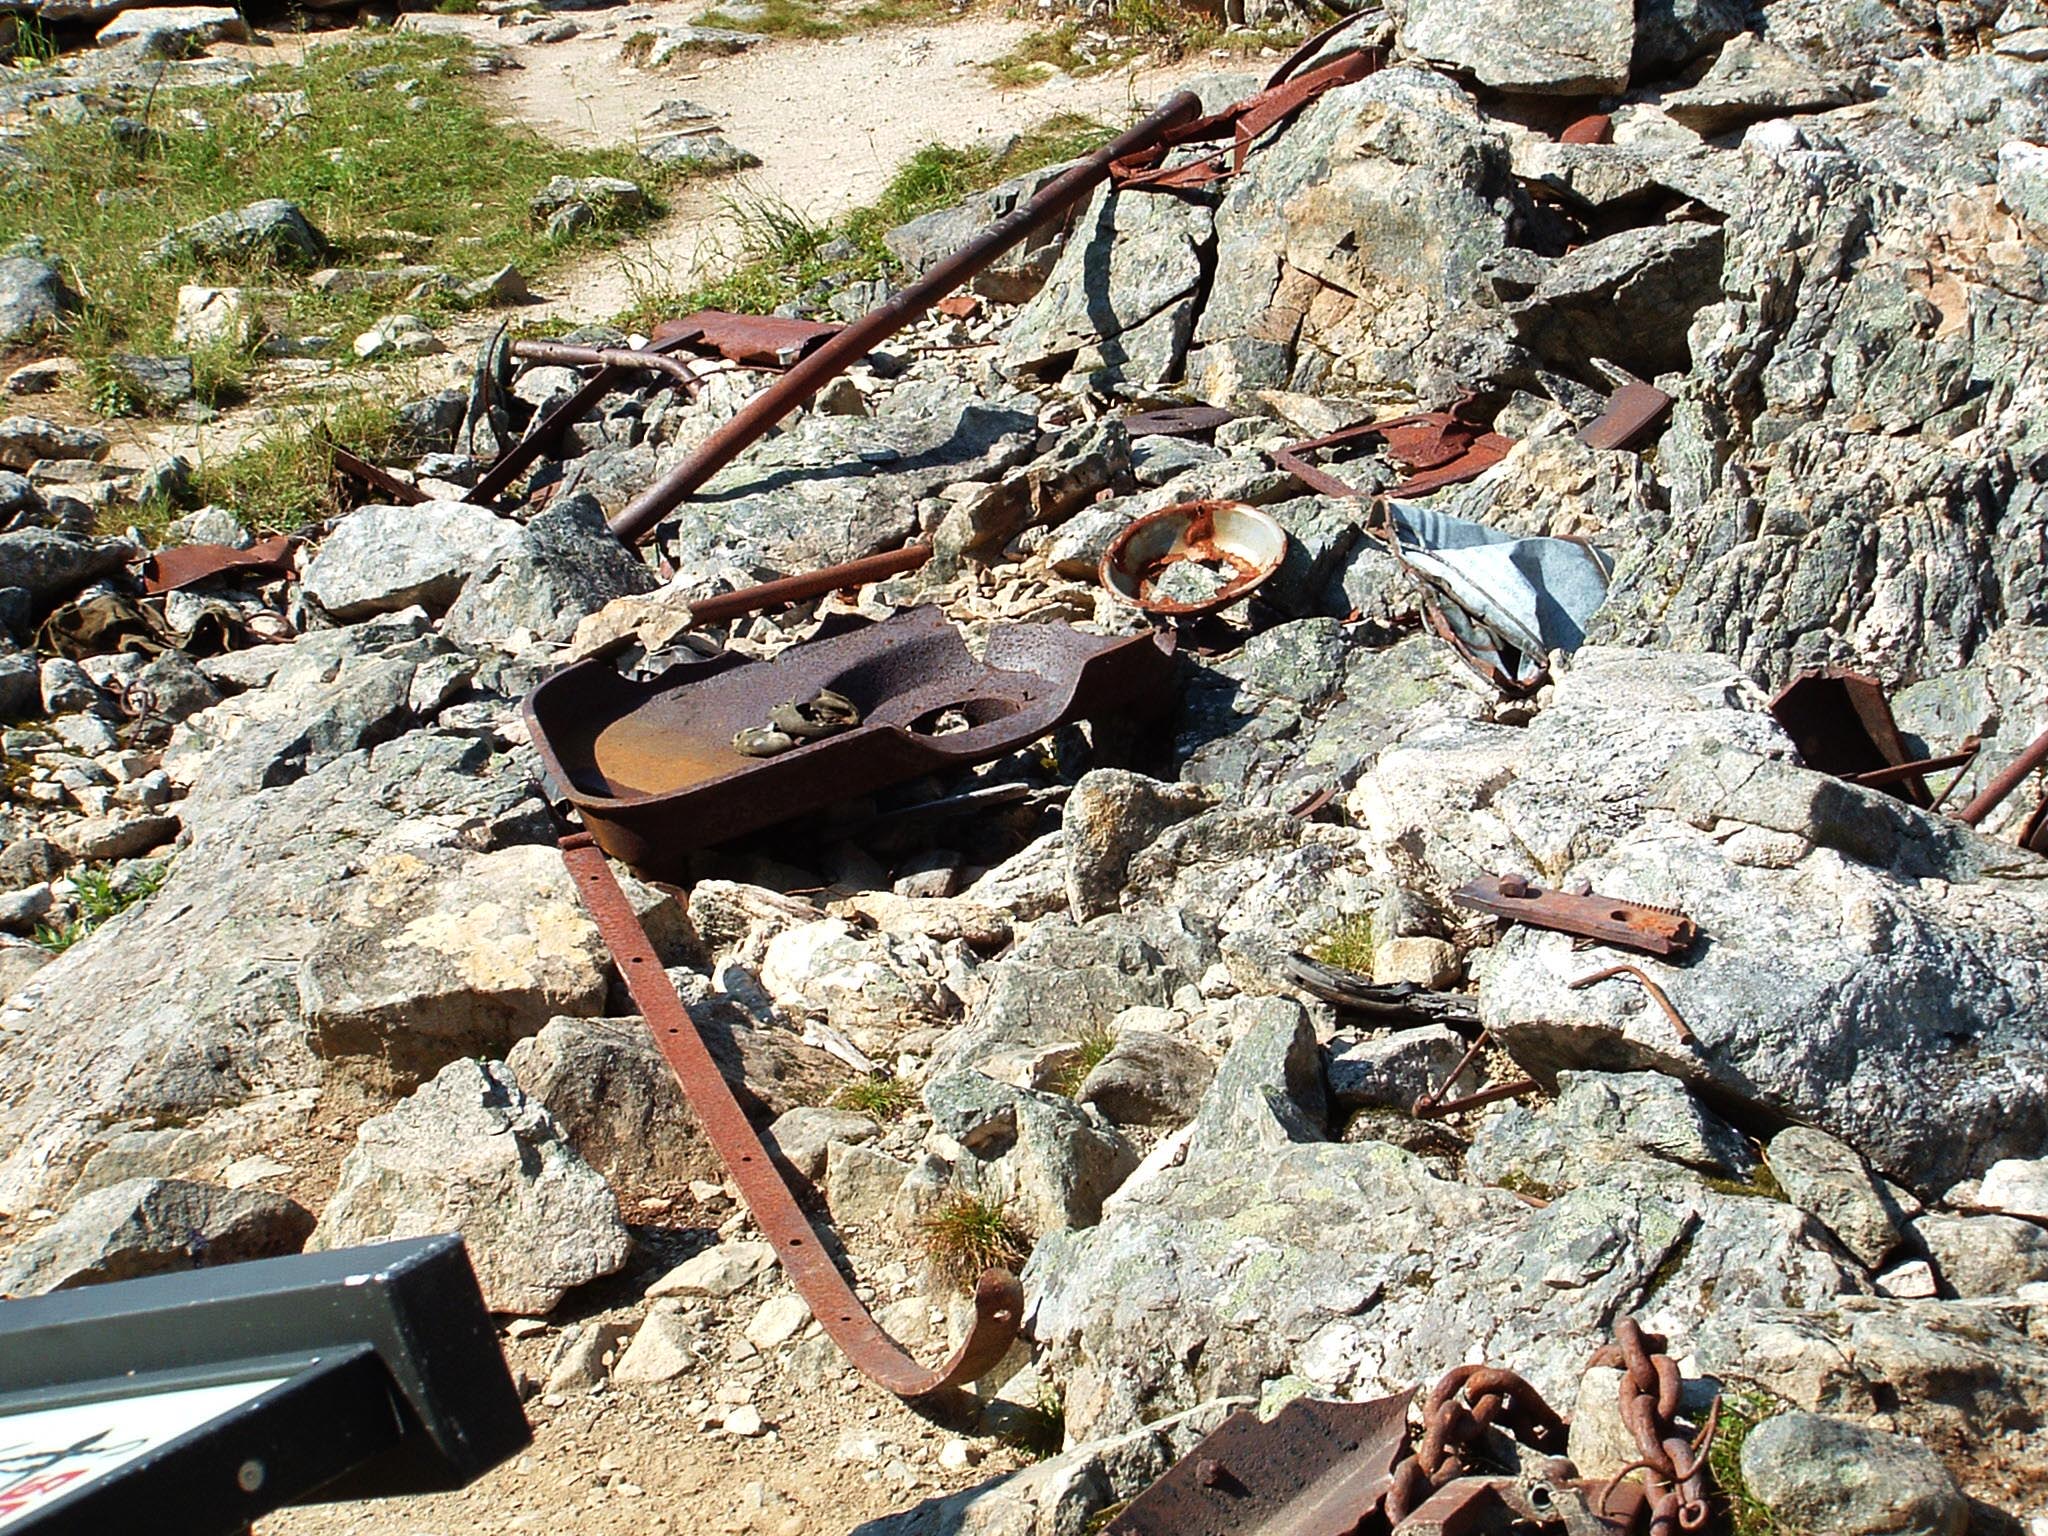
point(1984, 1255)
point(1428, 963)
point(660, 1351)
point(1148, 1079)
point(779, 1320)
point(398, 336)
point(21, 910)
point(101, 838)
point(213, 317)
point(66, 688)
point(193, 26)
point(805, 1134)
point(1911, 1281)
point(1824, 1177)
point(270, 228)
point(1392, 1071)
point(2016, 1187)
point(745, 1422)
point(958, 1455)
point(1833, 1477)
point(717, 1271)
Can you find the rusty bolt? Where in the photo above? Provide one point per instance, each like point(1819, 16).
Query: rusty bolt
point(1210, 1472)
point(1513, 885)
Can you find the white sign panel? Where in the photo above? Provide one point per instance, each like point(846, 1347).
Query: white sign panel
point(47, 1453)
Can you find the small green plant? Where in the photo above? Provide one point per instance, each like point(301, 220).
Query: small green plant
point(1741, 1412)
point(1762, 1184)
point(779, 18)
point(99, 897)
point(32, 44)
point(881, 1099)
point(1093, 1046)
point(1038, 1430)
point(968, 1233)
point(1349, 946)
point(458, 7)
point(285, 479)
point(108, 392)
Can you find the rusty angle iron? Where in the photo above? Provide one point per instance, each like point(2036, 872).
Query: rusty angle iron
point(998, 1299)
point(1607, 919)
point(1317, 1469)
point(651, 767)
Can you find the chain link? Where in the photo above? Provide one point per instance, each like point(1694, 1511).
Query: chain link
point(1676, 1464)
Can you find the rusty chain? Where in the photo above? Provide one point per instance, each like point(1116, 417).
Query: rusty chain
point(1468, 1401)
point(1676, 1464)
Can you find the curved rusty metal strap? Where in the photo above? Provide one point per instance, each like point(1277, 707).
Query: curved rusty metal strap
point(998, 1299)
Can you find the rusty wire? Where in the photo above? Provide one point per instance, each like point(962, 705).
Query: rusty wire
point(1432, 1105)
point(1656, 992)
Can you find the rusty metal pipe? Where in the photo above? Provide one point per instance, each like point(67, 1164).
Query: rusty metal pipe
point(639, 517)
point(563, 354)
point(1992, 795)
point(797, 589)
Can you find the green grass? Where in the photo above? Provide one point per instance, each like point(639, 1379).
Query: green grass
point(1094, 1045)
point(881, 1099)
point(1161, 30)
point(285, 479)
point(782, 255)
point(802, 18)
point(1349, 945)
point(1039, 1430)
point(1762, 1184)
point(967, 1234)
point(97, 900)
point(1740, 1414)
point(367, 160)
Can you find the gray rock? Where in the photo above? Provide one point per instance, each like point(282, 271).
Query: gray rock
point(1392, 1071)
point(21, 504)
point(1959, 1376)
point(1752, 81)
point(1014, 276)
point(705, 154)
point(470, 1153)
point(1599, 1119)
point(21, 910)
point(613, 193)
point(25, 439)
point(1086, 462)
point(434, 958)
point(1670, 34)
point(1038, 1154)
point(66, 688)
point(1627, 298)
point(2015, 1186)
point(1148, 1079)
point(51, 566)
point(383, 559)
point(718, 1272)
point(20, 684)
point(429, 424)
point(1269, 1088)
point(19, 962)
point(805, 1134)
point(1111, 815)
point(1984, 1255)
point(271, 229)
point(1828, 1475)
point(657, 47)
point(1554, 48)
point(1825, 1177)
point(149, 1227)
point(862, 1185)
point(34, 299)
point(98, 839)
point(191, 26)
point(607, 1085)
point(563, 565)
point(2023, 182)
point(585, 1355)
point(660, 1351)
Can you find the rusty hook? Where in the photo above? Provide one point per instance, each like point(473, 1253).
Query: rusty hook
point(1663, 1001)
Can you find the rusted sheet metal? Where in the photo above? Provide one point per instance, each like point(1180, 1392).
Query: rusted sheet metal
point(652, 768)
point(753, 341)
point(1242, 544)
point(728, 606)
point(1842, 724)
point(1177, 421)
point(1625, 924)
point(2034, 835)
point(1438, 448)
point(355, 467)
point(1994, 794)
point(759, 416)
point(998, 1299)
point(563, 355)
point(1596, 128)
point(1318, 1469)
point(1633, 412)
point(172, 570)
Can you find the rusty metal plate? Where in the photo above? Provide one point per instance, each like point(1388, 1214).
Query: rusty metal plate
point(1625, 924)
point(1239, 544)
point(1318, 1469)
point(185, 565)
point(652, 769)
point(756, 341)
point(1438, 448)
point(1842, 724)
point(1633, 412)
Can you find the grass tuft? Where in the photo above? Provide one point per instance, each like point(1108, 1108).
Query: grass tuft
point(967, 1234)
point(1164, 31)
point(1093, 1046)
point(1349, 945)
point(285, 479)
point(98, 899)
point(1741, 1412)
point(1039, 1430)
point(881, 1099)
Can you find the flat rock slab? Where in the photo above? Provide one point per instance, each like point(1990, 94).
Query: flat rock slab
point(1546, 47)
point(149, 1227)
point(196, 25)
point(382, 559)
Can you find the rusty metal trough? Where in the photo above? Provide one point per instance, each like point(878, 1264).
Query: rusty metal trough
point(651, 768)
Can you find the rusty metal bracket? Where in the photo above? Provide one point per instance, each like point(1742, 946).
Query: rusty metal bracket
point(355, 467)
point(1994, 794)
point(998, 1299)
point(184, 565)
point(752, 341)
point(1605, 919)
point(1438, 448)
point(1318, 1469)
point(1657, 993)
point(1633, 411)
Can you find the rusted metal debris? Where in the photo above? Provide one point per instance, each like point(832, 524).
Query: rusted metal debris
point(727, 606)
point(1596, 128)
point(1433, 1105)
point(998, 1299)
point(829, 359)
point(1241, 545)
point(1438, 448)
point(1657, 995)
point(1395, 1001)
point(1994, 794)
point(563, 355)
point(1455, 1474)
point(650, 766)
point(185, 565)
point(352, 466)
point(754, 341)
point(1177, 421)
point(1311, 1471)
point(1841, 722)
point(1633, 412)
point(1604, 919)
